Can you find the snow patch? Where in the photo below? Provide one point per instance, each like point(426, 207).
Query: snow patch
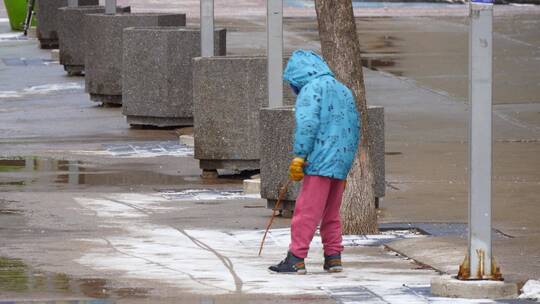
point(12, 36)
point(378, 239)
point(207, 195)
point(142, 150)
point(220, 262)
point(214, 262)
point(123, 205)
point(42, 90)
point(522, 4)
point(531, 290)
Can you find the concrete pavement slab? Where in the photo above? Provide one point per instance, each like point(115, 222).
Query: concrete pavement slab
point(518, 257)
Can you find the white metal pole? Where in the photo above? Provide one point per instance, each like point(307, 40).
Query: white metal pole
point(480, 138)
point(207, 28)
point(110, 7)
point(274, 52)
point(73, 3)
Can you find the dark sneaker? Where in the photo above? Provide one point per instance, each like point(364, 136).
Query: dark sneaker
point(289, 265)
point(332, 263)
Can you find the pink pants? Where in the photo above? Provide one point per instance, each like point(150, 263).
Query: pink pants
point(319, 202)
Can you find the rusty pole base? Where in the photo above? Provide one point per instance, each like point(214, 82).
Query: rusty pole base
point(464, 272)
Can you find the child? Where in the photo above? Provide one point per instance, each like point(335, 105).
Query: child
point(325, 143)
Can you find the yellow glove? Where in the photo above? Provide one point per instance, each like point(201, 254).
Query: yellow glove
point(296, 169)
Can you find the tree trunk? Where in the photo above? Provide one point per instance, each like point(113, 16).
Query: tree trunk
point(341, 49)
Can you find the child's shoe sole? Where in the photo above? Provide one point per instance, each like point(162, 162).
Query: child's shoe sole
point(299, 272)
point(334, 269)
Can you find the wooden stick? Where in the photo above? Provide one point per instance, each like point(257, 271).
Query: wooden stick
point(281, 196)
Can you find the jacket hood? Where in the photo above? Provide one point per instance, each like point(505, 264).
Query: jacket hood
point(304, 66)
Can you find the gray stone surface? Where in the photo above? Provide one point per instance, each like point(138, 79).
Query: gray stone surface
point(447, 286)
point(72, 38)
point(157, 74)
point(377, 140)
point(228, 93)
point(47, 20)
point(276, 153)
point(277, 127)
point(103, 58)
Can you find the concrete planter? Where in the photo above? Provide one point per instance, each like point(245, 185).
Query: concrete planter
point(228, 93)
point(277, 126)
point(104, 46)
point(157, 71)
point(72, 37)
point(47, 16)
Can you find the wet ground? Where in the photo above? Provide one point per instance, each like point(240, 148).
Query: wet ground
point(92, 211)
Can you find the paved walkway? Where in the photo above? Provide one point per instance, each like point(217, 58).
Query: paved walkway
point(88, 210)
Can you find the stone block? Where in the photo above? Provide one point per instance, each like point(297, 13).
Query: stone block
point(104, 46)
point(72, 38)
point(55, 55)
point(228, 93)
point(157, 74)
point(187, 140)
point(32, 32)
point(277, 128)
point(252, 186)
point(47, 20)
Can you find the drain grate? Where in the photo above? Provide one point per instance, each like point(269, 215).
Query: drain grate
point(404, 294)
point(424, 292)
point(354, 295)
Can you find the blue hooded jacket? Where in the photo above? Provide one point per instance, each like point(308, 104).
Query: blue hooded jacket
point(327, 122)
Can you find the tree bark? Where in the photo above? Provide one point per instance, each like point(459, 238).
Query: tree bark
point(341, 49)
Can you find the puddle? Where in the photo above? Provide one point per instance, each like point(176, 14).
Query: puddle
point(35, 172)
point(17, 278)
point(433, 51)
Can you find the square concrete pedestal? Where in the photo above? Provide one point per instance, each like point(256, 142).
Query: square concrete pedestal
point(157, 74)
point(104, 46)
point(47, 16)
point(448, 286)
point(72, 37)
point(228, 93)
point(277, 128)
